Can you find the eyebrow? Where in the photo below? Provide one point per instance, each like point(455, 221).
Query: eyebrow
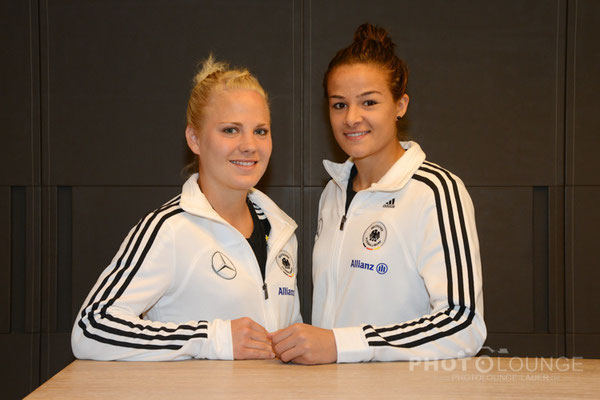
point(240, 124)
point(370, 92)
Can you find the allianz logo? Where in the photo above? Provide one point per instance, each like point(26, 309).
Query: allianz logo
point(380, 268)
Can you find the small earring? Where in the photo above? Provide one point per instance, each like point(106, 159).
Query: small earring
point(398, 118)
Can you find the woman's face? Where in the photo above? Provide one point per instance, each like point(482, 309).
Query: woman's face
point(362, 111)
point(234, 142)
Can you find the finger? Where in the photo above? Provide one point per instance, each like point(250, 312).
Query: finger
point(255, 344)
point(259, 336)
point(285, 345)
point(291, 354)
point(255, 326)
point(255, 354)
point(282, 334)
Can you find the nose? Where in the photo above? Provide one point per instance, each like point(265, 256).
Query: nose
point(353, 115)
point(247, 142)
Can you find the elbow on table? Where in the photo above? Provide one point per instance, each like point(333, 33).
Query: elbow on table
point(476, 335)
point(80, 343)
point(85, 348)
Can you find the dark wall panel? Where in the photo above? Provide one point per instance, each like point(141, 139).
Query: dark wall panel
point(504, 224)
point(19, 85)
point(525, 345)
point(486, 83)
point(55, 354)
point(310, 222)
point(20, 374)
point(5, 266)
point(586, 346)
point(102, 217)
point(584, 161)
point(119, 75)
point(583, 265)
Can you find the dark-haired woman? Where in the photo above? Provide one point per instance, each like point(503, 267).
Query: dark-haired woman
point(396, 266)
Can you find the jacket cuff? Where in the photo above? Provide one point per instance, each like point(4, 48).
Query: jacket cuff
point(351, 345)
point(219, 345)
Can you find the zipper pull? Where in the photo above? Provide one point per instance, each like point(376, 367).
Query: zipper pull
point(342, 223)
point(265, 290)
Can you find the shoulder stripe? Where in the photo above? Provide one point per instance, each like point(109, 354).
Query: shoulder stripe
point(135, 241)
point(150, 216)
point(465, 236)
point(442, 227)
point(133, 235)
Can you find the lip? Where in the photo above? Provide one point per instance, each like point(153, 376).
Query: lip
point(245, 164)
point(356, 135)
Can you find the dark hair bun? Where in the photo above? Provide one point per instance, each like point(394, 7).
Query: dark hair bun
point(368, 35)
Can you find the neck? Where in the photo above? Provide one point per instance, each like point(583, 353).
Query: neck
point(371, 169)
point(231, 206)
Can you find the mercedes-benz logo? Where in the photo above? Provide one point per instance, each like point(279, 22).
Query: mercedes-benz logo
point(223, 266)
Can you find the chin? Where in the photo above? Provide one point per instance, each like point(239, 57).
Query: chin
point(244, 184)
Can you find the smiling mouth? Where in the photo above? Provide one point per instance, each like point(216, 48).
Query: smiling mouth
point(243, 163)
point(352, 135)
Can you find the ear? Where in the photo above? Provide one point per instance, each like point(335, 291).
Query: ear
point(191, 137)
point(402, 105)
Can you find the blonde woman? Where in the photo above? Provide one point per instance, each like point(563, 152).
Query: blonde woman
point(210, 272)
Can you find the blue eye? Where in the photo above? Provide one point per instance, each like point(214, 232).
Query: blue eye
point(230, 130)
point(261, 131)
point(338, 106)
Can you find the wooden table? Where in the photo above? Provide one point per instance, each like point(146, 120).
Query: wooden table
point(477, 378)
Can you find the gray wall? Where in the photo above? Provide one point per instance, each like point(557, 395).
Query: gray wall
point(93, 96)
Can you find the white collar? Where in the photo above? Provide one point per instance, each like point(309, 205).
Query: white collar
point(195, 202)
point(394, 179)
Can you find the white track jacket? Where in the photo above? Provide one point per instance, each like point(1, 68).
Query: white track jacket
point(181, 275)
point(400, 277)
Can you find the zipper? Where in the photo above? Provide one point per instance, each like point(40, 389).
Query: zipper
point(343, 222)
point(264, 287)
point(334, 262)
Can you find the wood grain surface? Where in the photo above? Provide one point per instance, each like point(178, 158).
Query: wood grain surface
point(471, 378)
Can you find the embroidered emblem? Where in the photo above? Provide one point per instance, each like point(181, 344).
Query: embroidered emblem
point(284, 260)
point(374, 236)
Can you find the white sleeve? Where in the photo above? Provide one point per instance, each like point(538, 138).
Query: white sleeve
point(448, 261)
point(109, 325)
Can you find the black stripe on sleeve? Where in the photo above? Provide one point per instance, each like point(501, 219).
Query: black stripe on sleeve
point(463, 228)
point(125, 251)
point(452, 224)
point(118, 271)
point(440, 215)
point(373, 334)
